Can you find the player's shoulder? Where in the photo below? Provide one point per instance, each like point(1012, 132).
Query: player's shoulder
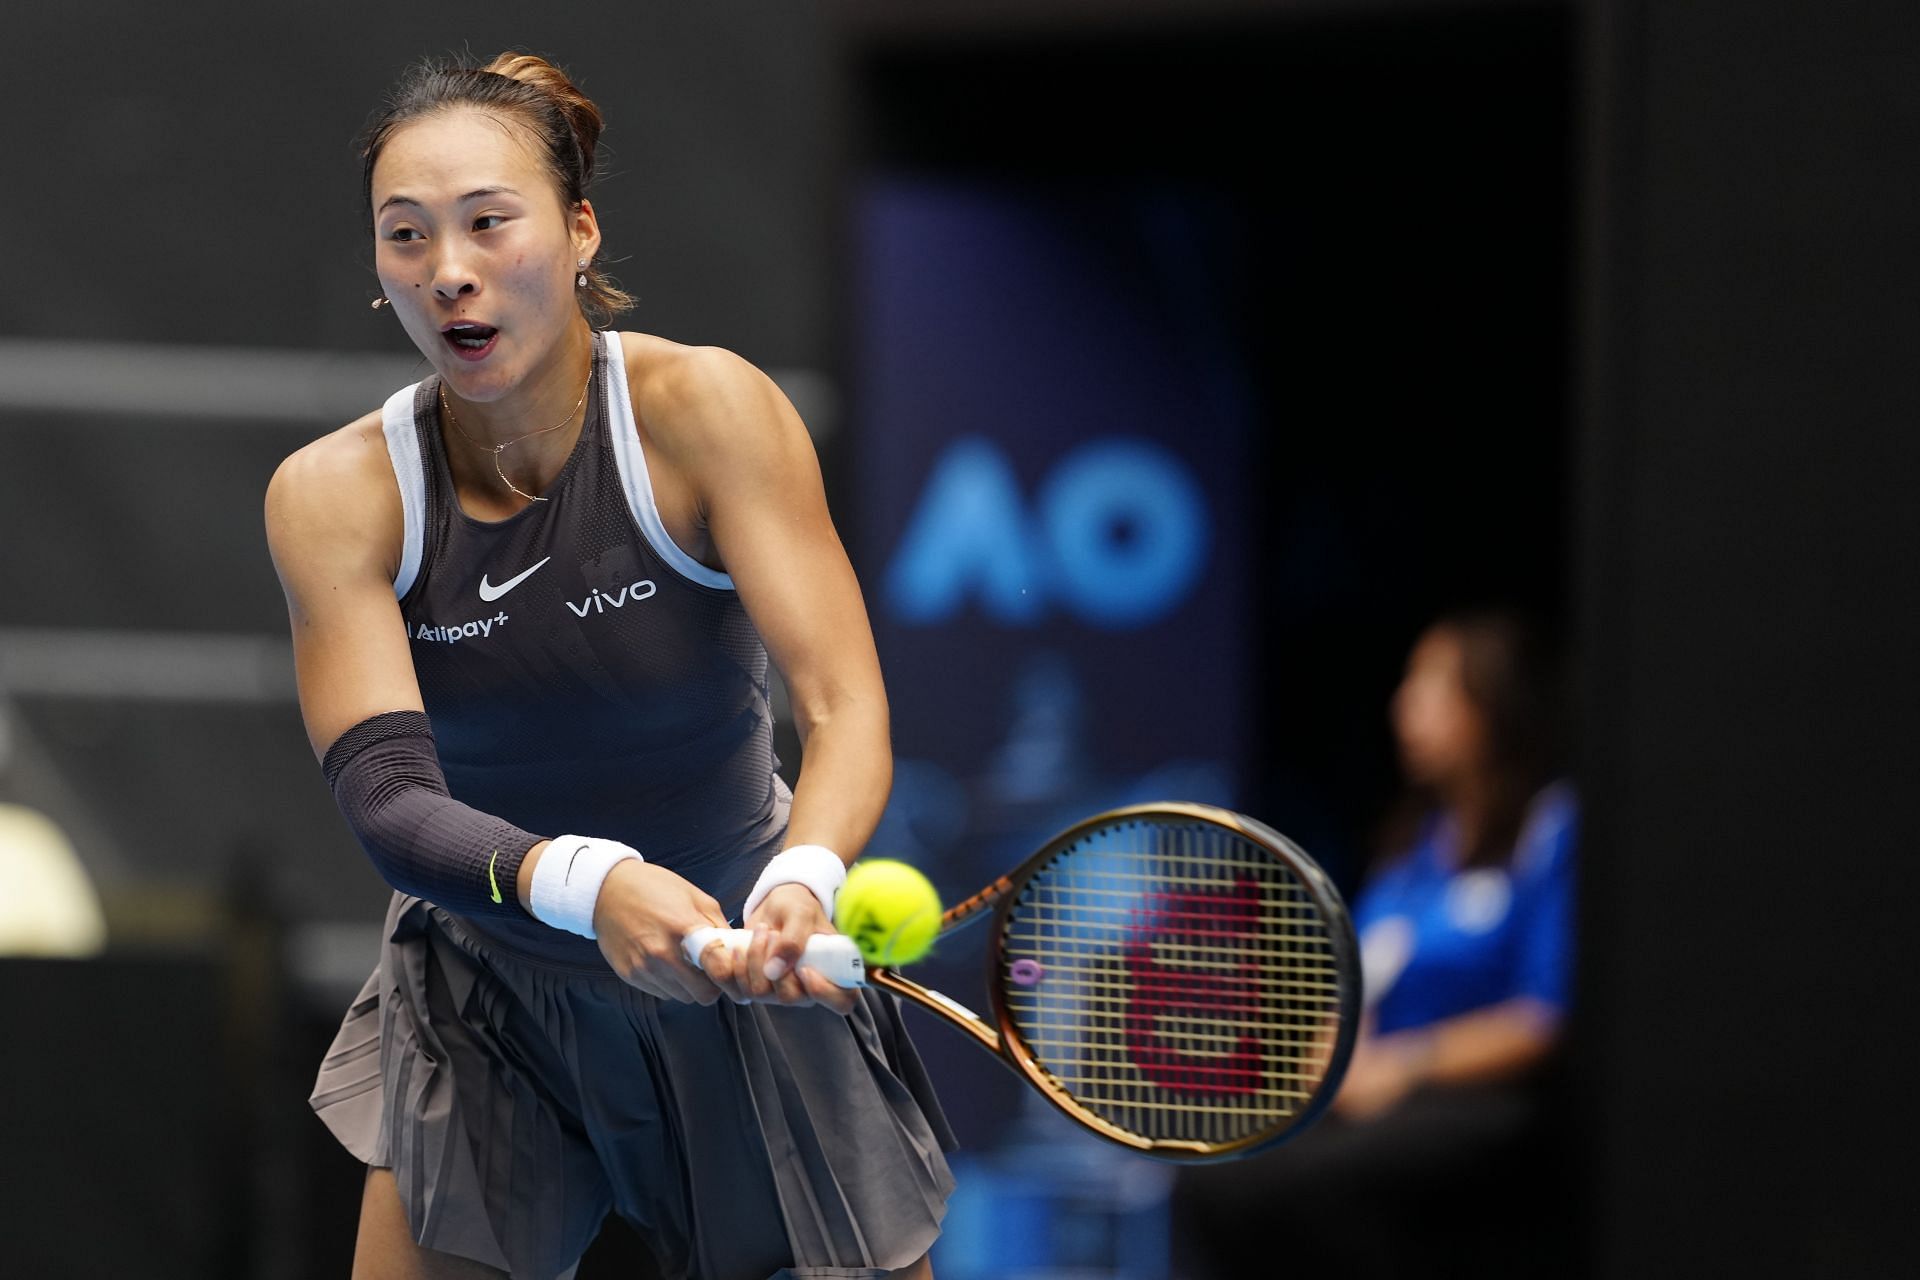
point(696, 397)
point(341, 480)
point(670, 372)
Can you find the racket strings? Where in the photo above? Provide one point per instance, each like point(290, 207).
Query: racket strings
point(1175, 980)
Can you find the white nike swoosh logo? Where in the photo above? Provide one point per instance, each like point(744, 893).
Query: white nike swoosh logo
point(490, 593)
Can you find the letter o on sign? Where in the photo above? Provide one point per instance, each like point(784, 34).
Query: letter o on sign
point(1127, 525)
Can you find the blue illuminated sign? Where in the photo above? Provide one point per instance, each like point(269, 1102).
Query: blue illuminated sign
point(1117, 536)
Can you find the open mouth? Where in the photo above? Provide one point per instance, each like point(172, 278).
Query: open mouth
point(470, 340)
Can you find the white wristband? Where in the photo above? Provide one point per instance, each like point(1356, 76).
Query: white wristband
point(567, 880)
point(815, 866)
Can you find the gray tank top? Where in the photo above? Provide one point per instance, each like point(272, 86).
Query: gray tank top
point(583, 674)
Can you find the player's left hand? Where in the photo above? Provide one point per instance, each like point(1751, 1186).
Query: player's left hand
point(781, 925)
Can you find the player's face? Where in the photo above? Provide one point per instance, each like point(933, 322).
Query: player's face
point(470, 226)
point(1442, 734)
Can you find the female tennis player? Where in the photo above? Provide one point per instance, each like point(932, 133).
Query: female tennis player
point(533, 599)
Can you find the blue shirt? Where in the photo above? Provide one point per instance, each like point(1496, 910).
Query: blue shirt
point(1437, 941)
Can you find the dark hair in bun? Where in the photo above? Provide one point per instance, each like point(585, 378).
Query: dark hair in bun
point(534, 94)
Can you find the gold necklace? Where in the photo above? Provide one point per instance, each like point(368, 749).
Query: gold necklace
point(497, 449)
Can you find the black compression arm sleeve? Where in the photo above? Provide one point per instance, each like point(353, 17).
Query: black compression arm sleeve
point(387, 781)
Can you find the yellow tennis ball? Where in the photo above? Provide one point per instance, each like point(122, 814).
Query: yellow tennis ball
point(889, 910)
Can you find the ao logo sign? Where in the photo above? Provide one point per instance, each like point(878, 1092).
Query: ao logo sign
point(1117, 535)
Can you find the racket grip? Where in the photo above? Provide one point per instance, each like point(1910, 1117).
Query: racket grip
point(831, 955)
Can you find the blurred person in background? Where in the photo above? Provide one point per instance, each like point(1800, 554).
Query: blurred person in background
point(1433, 1161)
point(538, 592)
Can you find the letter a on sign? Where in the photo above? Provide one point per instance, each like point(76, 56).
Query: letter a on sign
point(968, 540)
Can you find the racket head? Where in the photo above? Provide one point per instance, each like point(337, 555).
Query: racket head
point(1181, 979)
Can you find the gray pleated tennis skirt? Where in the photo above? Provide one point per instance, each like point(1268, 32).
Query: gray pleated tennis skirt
point(517, 1104)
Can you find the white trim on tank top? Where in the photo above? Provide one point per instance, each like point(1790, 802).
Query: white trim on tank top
point(631, 460)
point(403, 451)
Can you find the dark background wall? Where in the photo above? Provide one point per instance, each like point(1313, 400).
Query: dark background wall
point(193, 176)
point(1748, 545)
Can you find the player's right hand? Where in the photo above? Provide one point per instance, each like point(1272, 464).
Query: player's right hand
point(641, 915)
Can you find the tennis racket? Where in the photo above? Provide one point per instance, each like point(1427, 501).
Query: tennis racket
point(1180, 979)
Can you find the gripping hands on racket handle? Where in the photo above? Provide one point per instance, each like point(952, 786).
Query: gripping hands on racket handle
point(831, 955)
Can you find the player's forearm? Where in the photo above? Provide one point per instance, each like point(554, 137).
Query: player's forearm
point(386, 779)
point(1501, 1042)
point(846, 771)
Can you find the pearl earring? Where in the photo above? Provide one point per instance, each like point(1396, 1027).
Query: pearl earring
point(580, 281)
point(379, 302)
